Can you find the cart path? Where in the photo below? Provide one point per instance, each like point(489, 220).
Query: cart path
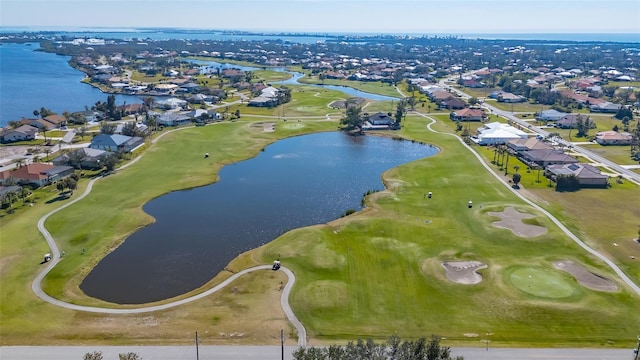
point(36, 286)
point(568, 232)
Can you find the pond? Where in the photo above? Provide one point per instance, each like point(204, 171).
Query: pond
point(295, 182)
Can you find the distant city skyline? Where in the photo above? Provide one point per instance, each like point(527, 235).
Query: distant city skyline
point(367, 16)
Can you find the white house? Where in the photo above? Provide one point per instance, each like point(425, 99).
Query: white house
point(498, 133)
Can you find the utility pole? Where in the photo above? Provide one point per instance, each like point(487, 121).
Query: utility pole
point(197, 353)
point(282, 343)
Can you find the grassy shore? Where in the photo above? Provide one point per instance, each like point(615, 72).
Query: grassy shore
point(371, 274)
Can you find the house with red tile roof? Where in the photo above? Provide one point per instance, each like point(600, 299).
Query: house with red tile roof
point(37, 174)
point(467, 114)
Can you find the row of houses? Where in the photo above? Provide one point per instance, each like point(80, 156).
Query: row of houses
point(536, 153)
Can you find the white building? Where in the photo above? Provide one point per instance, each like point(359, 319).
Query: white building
point(498, 133)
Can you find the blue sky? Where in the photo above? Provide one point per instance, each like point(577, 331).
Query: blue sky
point(373, 16)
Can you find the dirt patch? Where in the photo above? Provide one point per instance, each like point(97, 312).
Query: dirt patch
point(585, 277)
point(511, 219)
point(464, 272)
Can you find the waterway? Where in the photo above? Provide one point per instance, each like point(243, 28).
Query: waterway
point(212, 66)
point(33, 79)
point(293, 183)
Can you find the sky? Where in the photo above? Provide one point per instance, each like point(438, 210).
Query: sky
point(368, 16)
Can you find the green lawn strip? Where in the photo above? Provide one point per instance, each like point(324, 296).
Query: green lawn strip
point(620, 154)
point(270, 75)
point(379, 271)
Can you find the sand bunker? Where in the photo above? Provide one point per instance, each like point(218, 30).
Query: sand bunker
point(269, 127)
point(464, 272)
point(512, 220)
point(585, 277)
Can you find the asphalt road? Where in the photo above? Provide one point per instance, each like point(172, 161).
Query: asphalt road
point(274, 352)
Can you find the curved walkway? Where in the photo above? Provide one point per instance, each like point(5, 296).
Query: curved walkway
point(577, 240)
point(36, 286)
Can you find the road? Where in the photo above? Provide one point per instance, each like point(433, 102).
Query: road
point(274, 352)
point(635, 177)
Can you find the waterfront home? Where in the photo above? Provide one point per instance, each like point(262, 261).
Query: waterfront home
point(116, 142)
point(171, 103)
point(614, 138)
point(587, 175)
point(56, 120)
point(379, 121)
point(268, 97)
point(21, 133)
point(37, 174)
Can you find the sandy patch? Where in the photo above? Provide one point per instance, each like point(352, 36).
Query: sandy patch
point(464, 272)
point(269, 127)
point(511, 219)
point(585, 277)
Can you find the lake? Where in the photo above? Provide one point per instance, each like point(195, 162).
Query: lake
point(295, 182)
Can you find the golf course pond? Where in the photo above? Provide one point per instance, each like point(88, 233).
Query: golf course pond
point(292, 183)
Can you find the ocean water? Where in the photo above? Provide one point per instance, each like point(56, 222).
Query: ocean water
point(32, 79)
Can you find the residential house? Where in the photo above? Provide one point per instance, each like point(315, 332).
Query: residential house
point(550, 115)
point(520, 145)
point(467, 114)
point(21, 133)
point(606, 107)
point(453, 103)
point(546, 157)
point(116, 142)
point(56, 120)
point(588, 175)
point(614, 138)
point(570, 121)
point(498, 133)
point(507, 97)
point(171, 103)
point(380, 121)
point(83, 158)
point(37, 174)
point(268, 97)
point(173, 119)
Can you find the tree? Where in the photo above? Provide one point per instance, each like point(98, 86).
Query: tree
point(393, 348)
point(516, 179)
point(237, 114)
point(110, 162)
point(623, 112)
point(107, 128)
point(130, 129)
point(400, 110)
point(473, 101)
point(129, 356)
point(82, 132)
point(353, 117)
point(567, 183)
point(96, 355)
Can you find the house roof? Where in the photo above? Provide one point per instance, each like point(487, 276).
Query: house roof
point(33, 172)
point(104, 140)
point(55, 119)
point(582, 171)
point(613, 135)
point(529, 144)
point(548, 155)
point(469, 112)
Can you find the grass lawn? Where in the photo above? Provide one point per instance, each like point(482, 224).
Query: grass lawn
point(370, 274)
point(618, 154)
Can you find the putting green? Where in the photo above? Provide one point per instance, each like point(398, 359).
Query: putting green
point(541, 282)
point(292, 126)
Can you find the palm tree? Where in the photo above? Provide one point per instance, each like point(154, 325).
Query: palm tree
point(19, 163)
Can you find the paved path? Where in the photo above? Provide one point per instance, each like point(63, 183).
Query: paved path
point(274, 352)
point(577, 240)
